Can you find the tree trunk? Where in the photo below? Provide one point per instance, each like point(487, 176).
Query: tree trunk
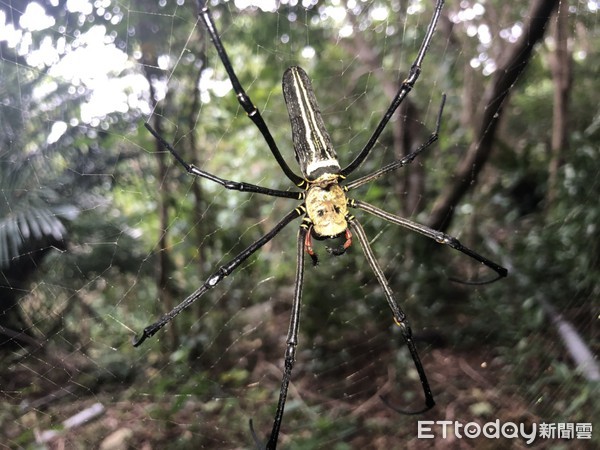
point(493, 103)
point(561, 65)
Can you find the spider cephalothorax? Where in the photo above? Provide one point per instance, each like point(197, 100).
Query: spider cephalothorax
point(324, 206)
point(327, 209)
point(327, 216)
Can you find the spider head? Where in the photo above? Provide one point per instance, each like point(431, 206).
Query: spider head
point(326, 206)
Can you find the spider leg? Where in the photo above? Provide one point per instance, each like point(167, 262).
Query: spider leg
point(405, 88)
point(243, 98)
point(438, 236)
point(233, 185)
point(217, 277)
point(399, 318)
point(308, 242)
point(292, 342)
point(403, 161)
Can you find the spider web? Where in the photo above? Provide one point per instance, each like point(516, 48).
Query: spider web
point(101, 232)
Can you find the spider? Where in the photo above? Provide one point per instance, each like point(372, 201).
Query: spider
point(325, 205)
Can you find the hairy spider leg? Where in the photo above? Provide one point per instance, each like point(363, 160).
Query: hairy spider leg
point(403, 161)
point(291, 344)
point(437, 236)
point(227, 184)
point(218, 276)
point(241, 95)
point(405, 88)
point(399, 317)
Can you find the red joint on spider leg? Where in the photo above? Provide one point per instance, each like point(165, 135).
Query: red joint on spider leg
point(308, 247)
point(348, 242)
point(308, 242)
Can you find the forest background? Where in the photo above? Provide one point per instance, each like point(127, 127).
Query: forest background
point(101, 231)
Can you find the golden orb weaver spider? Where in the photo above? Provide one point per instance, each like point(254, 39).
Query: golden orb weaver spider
point(325, 204)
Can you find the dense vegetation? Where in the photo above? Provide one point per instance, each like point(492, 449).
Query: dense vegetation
point(101, 232)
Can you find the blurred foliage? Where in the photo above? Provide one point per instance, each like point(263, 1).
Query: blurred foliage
point(98, 191)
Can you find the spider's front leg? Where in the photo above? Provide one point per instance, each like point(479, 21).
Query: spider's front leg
point(242, 97)
point(406, 86)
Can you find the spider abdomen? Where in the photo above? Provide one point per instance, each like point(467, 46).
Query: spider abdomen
point(312, 143)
